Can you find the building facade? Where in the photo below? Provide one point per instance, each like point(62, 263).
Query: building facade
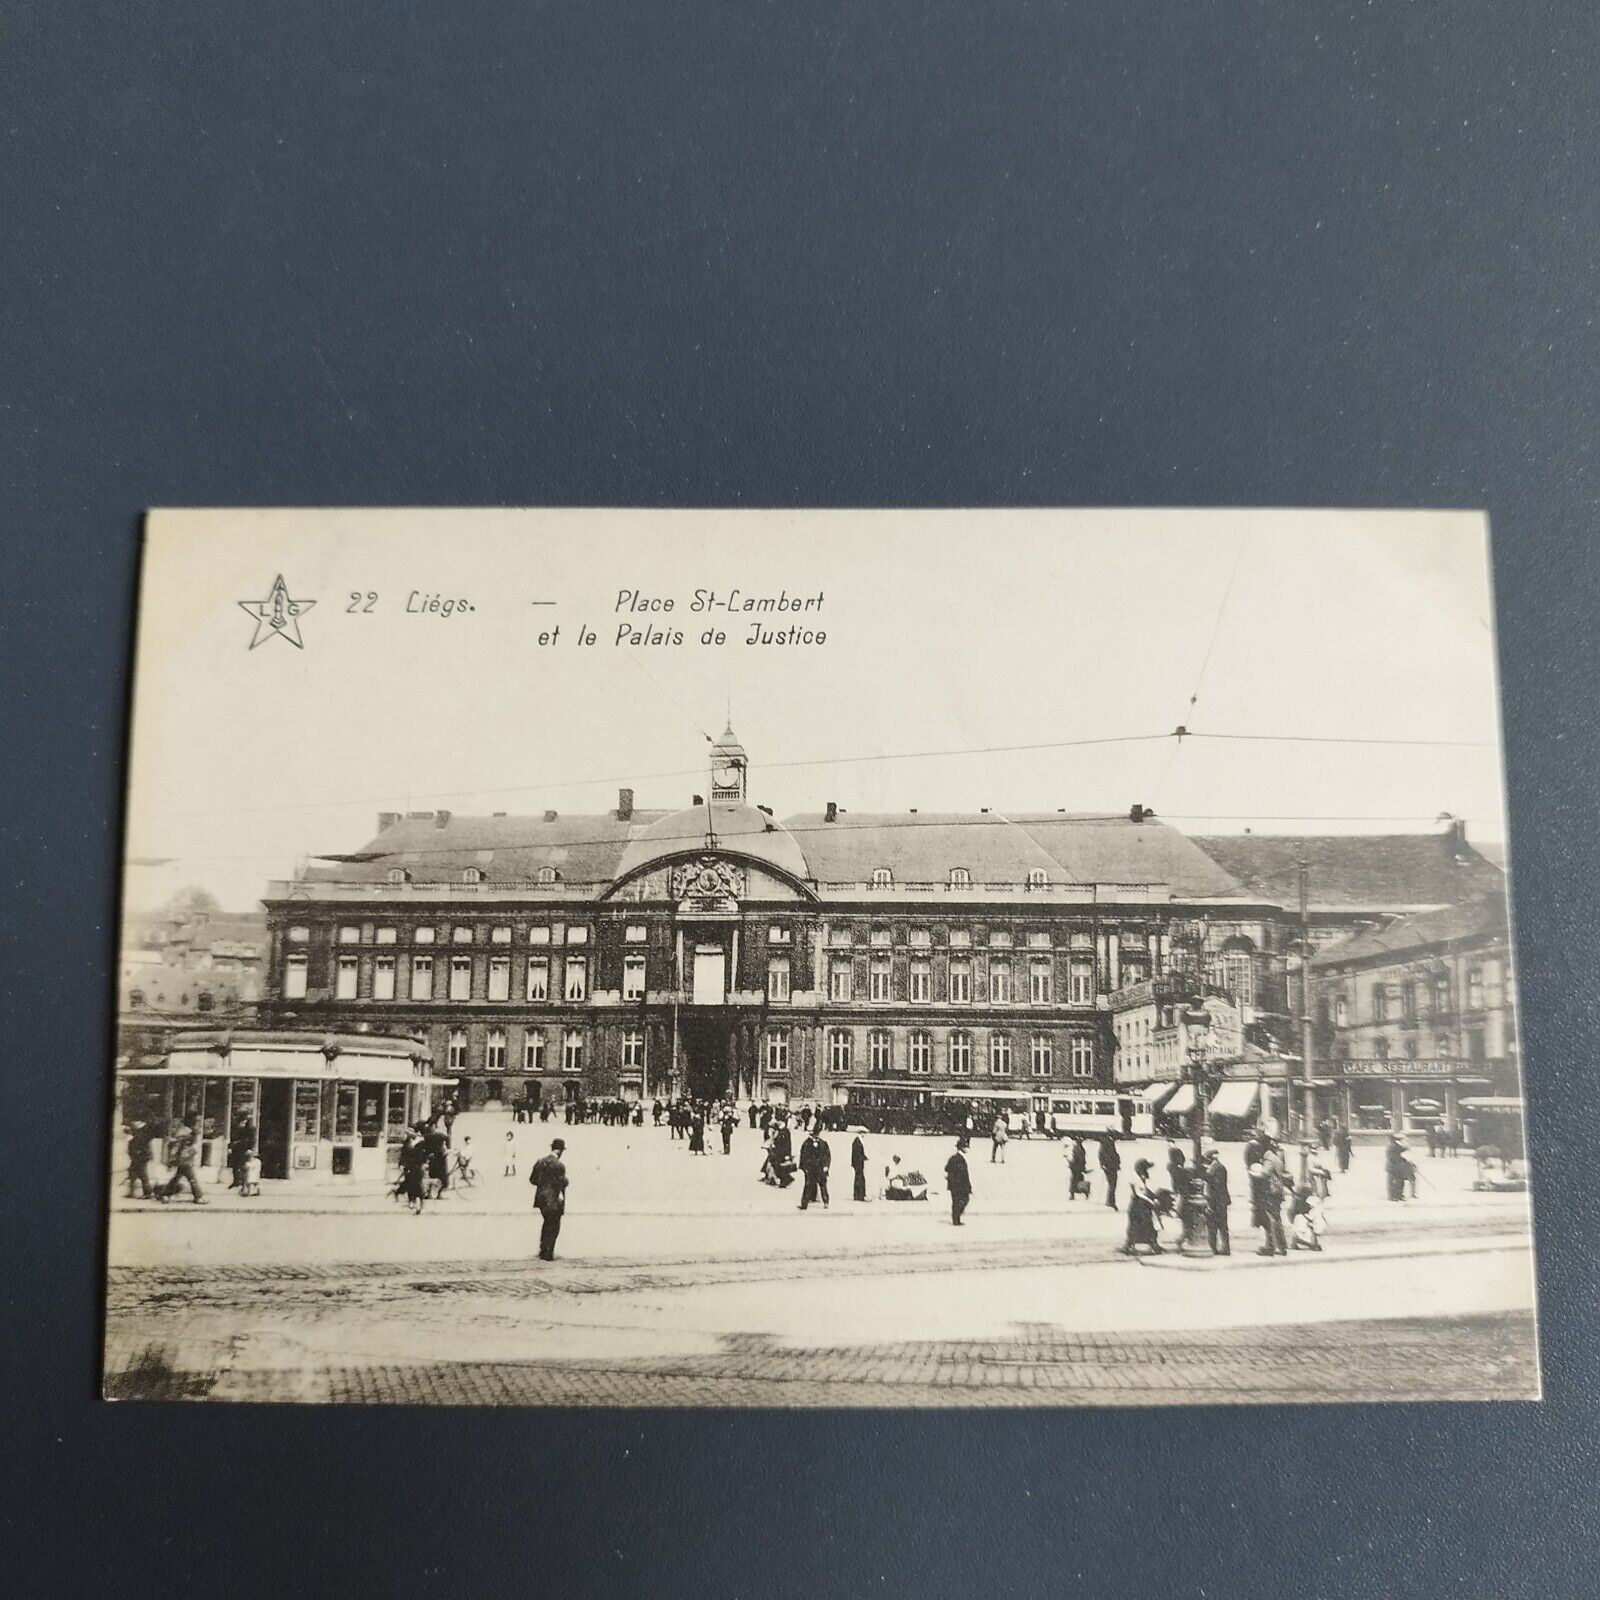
point(182, 967)
point(716, 949)
point(1417, 1015)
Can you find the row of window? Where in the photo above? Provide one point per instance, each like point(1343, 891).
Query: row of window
point(575, 979)
point(960, 878)
point(463, 933)
point(639, 933)
point(1405, 1002)
point(534, 1054)
point(347, 977)
point(1444, 1046)
point(959, 1053)
point(882, 877)
point(997, 938)
point(959, 991)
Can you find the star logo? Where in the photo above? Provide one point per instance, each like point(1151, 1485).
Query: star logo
point(277, 617)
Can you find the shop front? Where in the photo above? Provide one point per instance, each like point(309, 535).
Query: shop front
point(312, 1106)
point(1410, 1096)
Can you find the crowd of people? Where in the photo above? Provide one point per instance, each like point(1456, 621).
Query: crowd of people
point(1187, 1206)
point(427, 1165)
point(1197, 1199)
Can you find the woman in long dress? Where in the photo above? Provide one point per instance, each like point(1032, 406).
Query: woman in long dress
point(1141, 1213)
point(414, 1170)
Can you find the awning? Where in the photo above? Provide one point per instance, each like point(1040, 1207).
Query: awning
point(1155, 1093)
point(1181, 1102)
point(1492, 1102)
point(1237, 1099)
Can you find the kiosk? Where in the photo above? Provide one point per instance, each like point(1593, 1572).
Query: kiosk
point(316, 1106)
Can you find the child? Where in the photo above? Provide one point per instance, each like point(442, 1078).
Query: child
point(511, 1155)
point(1306, 1224)
point(252, 1174)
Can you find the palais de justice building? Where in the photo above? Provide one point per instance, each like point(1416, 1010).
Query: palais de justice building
point(716, 948)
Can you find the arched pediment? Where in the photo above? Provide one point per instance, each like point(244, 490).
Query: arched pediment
point(713, 876)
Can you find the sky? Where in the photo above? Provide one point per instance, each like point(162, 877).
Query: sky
point(971, 658)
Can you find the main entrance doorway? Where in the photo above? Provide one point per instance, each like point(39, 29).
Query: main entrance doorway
point(710, 1062)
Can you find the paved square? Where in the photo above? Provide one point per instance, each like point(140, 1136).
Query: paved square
point(682, 1280)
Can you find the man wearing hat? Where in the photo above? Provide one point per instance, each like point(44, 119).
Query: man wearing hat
point(549, 1180)
point(1218, 1199)
point(958, 1181)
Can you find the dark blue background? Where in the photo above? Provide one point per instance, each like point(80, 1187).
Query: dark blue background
point(892, 252)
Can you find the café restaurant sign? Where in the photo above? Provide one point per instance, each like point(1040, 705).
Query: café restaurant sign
point(1401, 1067)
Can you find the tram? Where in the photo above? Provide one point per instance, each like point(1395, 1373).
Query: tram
point(1097, 1111)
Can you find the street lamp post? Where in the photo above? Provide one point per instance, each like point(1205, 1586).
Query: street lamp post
point(1193, 1215)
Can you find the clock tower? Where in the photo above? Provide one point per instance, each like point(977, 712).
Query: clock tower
point(729, 768)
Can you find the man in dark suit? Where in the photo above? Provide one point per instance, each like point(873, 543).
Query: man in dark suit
point(1218, 1199)
point(858, 1163)
point(549, 1180)
point(1110, 1165)
point(815, 1159)
point(958, 1180)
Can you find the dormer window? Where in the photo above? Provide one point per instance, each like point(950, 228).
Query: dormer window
point(882, 878)
point(960, 878)
point(472, 875)
point(397, 874)
point(548, 875)
point(1037, 877)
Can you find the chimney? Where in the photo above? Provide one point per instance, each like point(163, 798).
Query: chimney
point(1456, 839)
point(550, 816)
point(441, 819)
point(832, 812)
point(1138, 813)
point(387, 819)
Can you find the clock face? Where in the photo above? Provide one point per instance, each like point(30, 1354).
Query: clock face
point(725, 776)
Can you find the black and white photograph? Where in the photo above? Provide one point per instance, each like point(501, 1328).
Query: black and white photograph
point(959, 958)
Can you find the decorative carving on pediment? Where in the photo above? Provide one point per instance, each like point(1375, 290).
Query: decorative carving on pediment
point(709, 878)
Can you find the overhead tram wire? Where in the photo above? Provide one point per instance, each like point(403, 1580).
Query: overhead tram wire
point(843, 761)
point(685, 772)
point(1258, 738)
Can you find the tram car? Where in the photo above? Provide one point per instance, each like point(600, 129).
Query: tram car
point(1097, 1111)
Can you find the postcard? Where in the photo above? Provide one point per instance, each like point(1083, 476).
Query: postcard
point(817, 958)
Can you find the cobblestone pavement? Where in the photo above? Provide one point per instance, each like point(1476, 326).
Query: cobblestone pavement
point(1468, 1358)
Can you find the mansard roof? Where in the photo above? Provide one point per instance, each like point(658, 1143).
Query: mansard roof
point(439, 847)
point(923, 847)
point(1349, 872)
point(1355, 871)
point(1481, 919)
